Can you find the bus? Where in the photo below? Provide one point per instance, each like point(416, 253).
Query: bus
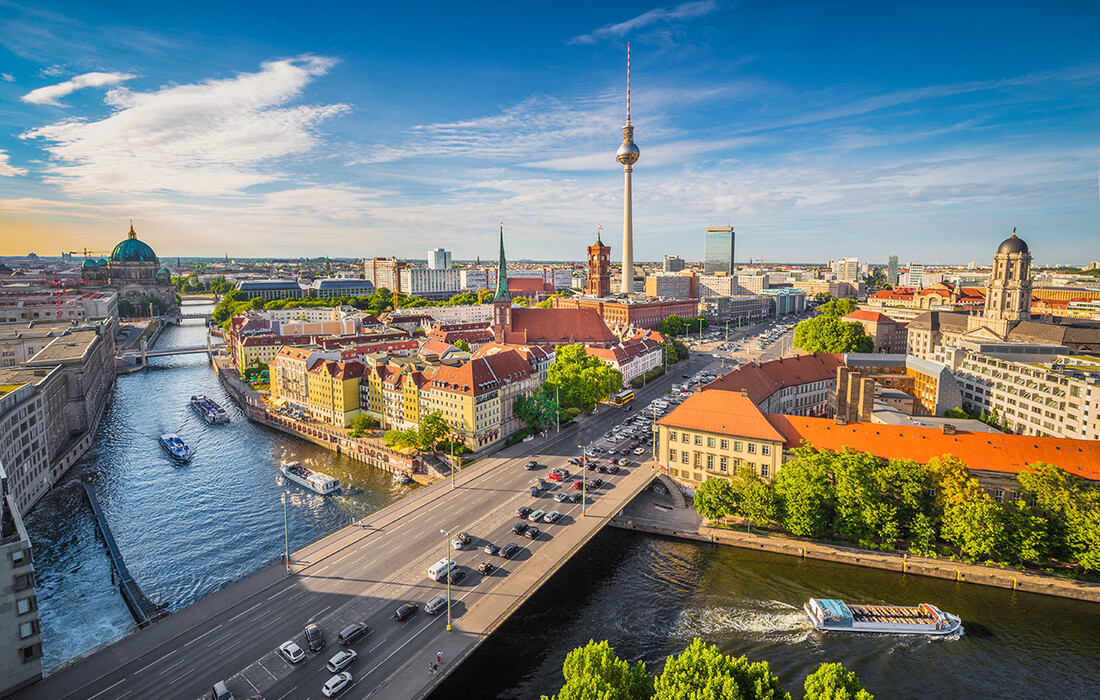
point(623, 397)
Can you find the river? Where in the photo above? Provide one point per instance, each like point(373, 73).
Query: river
point(186, 531)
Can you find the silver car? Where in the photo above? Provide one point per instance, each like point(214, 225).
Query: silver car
point(435, 604)
point(291, 652)
point(342, 660)
point(552, 516)
point(536, 516)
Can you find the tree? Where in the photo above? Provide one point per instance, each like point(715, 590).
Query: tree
point(972, 520)
point(956, 413)
point(834, 682)
point(805, 493)
point(715, 499)
point(822, 297)
point(594, 672)
point(702, 672)
point(583, 379)
point(755, 497)
point(1083, 534)
point(672, 326)
point(461, 344)
point(520, 301)
point(838, 308)
point(1027, 534)
point(432, 428)
point(401, 438)
point(539, 409)
point(828, 334)
point(361, 424)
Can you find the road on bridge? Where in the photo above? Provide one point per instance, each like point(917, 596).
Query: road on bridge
point(362, 573)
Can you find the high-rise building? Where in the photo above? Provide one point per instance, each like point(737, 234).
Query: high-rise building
point(628, 155)
point(916, 275)
point(892, 271)
point(599, 269)
point(439, 259)
point(847, 269)
point(674, 263)
point(718, 250)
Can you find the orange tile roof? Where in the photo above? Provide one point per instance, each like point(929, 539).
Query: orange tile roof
point(998, 452)
point(872, 316)
point(558, 327)
point(722, 412)
point(763, 380)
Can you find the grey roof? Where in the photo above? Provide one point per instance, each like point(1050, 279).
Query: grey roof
point(257, 285)
point(342, 283)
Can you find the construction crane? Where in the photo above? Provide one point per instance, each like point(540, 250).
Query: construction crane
point(90, 252)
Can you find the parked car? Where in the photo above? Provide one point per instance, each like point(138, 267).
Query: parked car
point(291, 652)
point(523, 512)
point(536, 516)
point(491, 548)
point(485, 568)
point(436, 604)
point(464, 538)
point(562, 498)
point(315, 638)
point(405, 610)
point(336, 685)
point(508, 550)
point(531, 465)
point(342, 660)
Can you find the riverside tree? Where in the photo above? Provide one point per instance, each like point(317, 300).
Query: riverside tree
point(594, 672)
point(583, 380)
point(715, 499)
point(834, 682)
point(702, 672)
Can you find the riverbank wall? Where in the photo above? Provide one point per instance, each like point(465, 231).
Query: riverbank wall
point(654, 519)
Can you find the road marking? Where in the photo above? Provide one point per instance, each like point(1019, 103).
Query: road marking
point(287, 693)
point(106, 689)
point(273, 622)
point(398, 649)
point(279, 593)
point(154, 663)
point(249, 682)
point(169, 668)
point(345, 556)
point(316, 615)
point(202, 635)
point(273, 676)
point(244, 613)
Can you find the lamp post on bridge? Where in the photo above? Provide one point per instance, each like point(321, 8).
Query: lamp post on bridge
point(447, 556)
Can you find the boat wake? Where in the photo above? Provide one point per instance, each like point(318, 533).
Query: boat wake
point(772, 619)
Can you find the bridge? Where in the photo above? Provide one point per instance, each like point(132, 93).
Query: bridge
point(362, 573)
point(173, 351)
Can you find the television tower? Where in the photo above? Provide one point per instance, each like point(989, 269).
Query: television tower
point(628, 155)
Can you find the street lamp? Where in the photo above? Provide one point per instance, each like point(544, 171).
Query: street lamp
point(584, 479)
point(286, 534)
point(447, 556)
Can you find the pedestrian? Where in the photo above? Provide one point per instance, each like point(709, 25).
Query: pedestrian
point(439, 656)
point(431, 668)
point(435, 668)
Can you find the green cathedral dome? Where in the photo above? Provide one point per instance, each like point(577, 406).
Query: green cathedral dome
point(133, 250)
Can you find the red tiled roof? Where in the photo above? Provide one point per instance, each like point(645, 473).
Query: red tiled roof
point(723, 412)
point(437, 347)
point(483, 374)
point(895, 293)
point(337, 370)
point(763, 380)
point(998, 452)
point(558, 327)
point(528, 284)
point(871, 316)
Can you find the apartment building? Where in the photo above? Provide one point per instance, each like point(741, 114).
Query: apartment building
point(20, 631)
point(670, 286)
point(332, 388)
point(426, 283)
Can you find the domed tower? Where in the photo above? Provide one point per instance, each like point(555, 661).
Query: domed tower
point(628, 155)
point(132, 261)
point(1008, 292)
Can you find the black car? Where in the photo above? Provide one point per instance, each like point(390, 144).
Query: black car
point(405, 610)
point(463, 537)
point(613, 469)
point(485, 568)
point(601, 469)
point(531, 465)
point(491, 548)
point(523, 512)
point(532, 533)
point(456, 575)
point(315, 638)
point(519, 528)
point(509, 549)
point(352, 632)
point(592, 467)
point(595, 483)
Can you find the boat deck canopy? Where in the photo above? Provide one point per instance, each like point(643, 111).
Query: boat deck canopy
point(837, 609)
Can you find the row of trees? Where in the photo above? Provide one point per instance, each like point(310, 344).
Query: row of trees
point(700, 672)
point(424, 437)
point(190, 284)
point(882, 503)
point(827, 332)
point(677, 325)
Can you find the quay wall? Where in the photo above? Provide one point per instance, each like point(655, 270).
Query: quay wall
point(891, 561)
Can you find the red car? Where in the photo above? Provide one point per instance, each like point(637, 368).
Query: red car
point(578, 484)
point(555, 476)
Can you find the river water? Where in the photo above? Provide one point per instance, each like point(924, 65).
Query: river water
point(186, 531)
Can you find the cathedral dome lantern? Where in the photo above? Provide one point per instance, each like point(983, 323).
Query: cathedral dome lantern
point(1012, 244)
point(133, 250)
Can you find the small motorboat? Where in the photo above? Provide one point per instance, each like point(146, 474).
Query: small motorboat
point(176, 448)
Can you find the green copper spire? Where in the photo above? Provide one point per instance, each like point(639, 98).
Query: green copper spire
point(502, 272)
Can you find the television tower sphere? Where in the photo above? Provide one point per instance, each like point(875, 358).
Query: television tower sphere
point(628, 152)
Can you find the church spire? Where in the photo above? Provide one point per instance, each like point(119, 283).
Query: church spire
point(132, 233)
point(502, 272)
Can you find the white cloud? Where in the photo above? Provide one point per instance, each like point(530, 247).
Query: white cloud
point(51, 94)
point(213, 138)
point(8, 170)
point(687, 10)
point(7, 77)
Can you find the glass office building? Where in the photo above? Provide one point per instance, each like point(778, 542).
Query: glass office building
point(718, 251)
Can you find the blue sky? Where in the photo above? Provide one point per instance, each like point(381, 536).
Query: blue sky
point(349, 129)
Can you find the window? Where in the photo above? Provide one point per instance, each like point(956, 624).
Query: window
point(31, 652)
point(710, 461)
point(751, 448)
point(999, 496)
point(723, 463)
point(19, 557)
point(698, 460)
point(698, 439)
point(684, 457)
point(736, 445)
point(765, 449)
point(683, 437)
point(763, 470)
point(710, 442)
point(672, 455)
point(724, 444)
point(672, 435)
point(28, 628)
point(24, 581)
point(24, 605)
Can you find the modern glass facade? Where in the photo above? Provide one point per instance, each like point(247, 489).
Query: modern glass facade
point(718, 250)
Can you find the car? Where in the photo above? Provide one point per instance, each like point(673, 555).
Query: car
point(601, 469)
point(531, 465)
point(519, 528)
point(315, 638)
point(508, 550)
point(532, 533)
point(485, 568)
point(342, 660)
point(562, 498)
point(349, 634)
point(640, 451)
point(456, 544)
point(456, 575)
point(336, 685)
point(607, 435)
point(491, 549)
point(596, 483)
point(536, 515)
point(573, 461)
point(578, 485)
point(555, 476)
point(613, 469)
point(291, 652)
point(436, 604)
point(523, 511)
point(685, 376)
point(222, 692)
point(405, 611)
point(593, 467)
point(464, 538)
point(552, 516)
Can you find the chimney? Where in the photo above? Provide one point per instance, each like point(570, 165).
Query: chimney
point(745, 393)
point(948, 429)
point(841, 419)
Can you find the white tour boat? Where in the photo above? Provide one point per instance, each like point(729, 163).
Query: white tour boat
point(210, 411)
point(176, 448)
point(314, 481)
point(832, 614)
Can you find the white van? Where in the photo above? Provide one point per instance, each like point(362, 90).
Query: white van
point(439, 570)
